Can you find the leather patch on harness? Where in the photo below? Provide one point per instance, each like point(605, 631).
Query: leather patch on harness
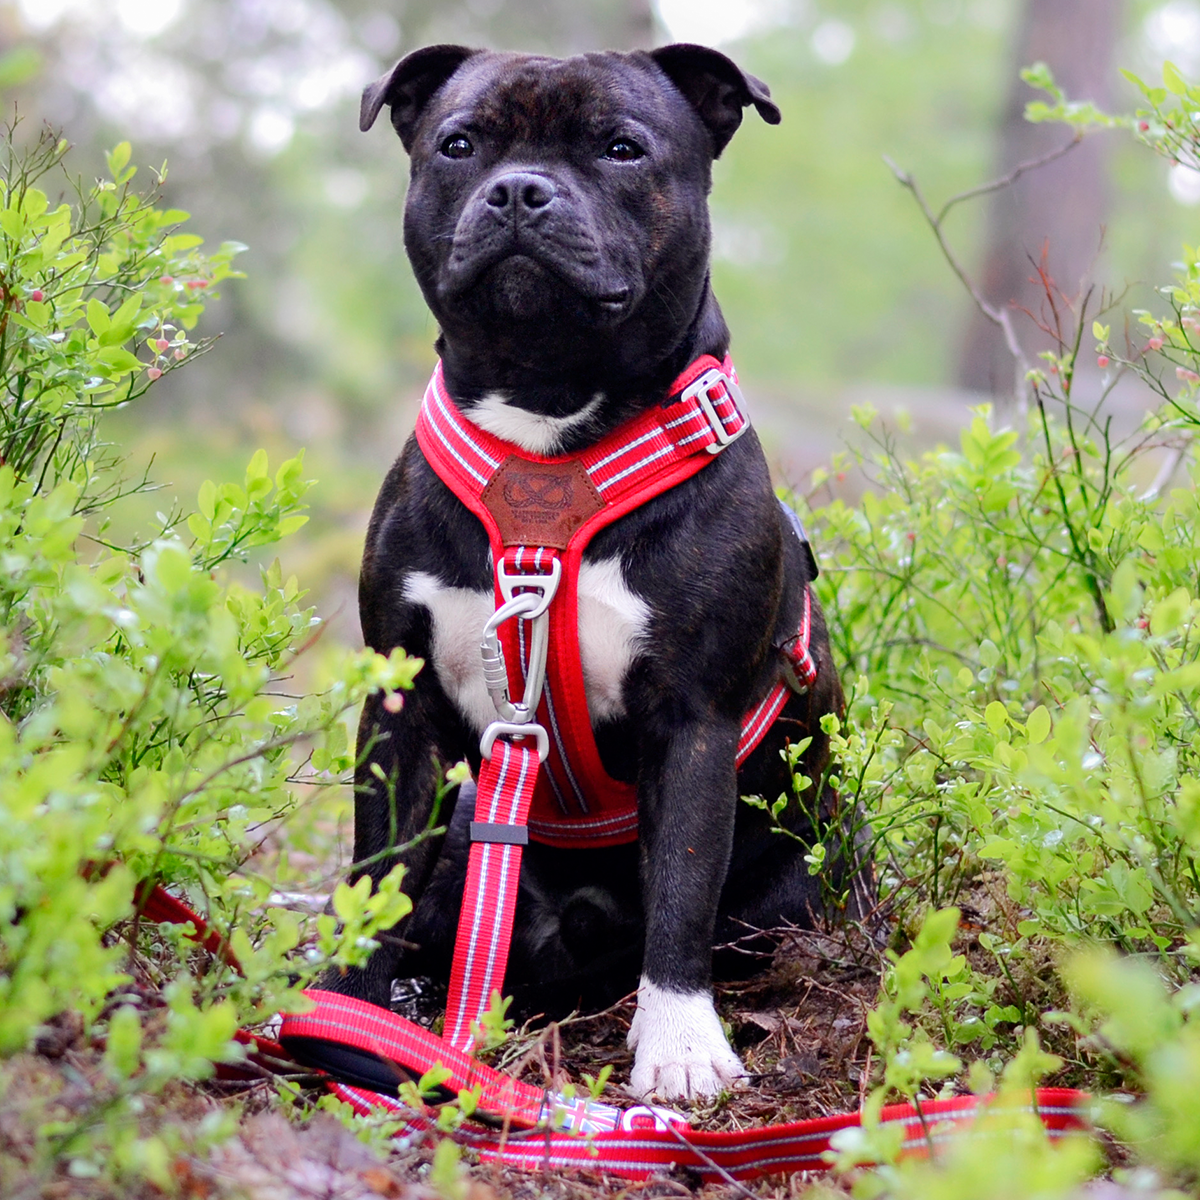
point(540, 504)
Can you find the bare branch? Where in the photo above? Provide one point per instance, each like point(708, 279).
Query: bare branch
point(1004, 181)
point(998, 316)
point(1172, 460)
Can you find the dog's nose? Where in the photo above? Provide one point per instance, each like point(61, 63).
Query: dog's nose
point(521, 189)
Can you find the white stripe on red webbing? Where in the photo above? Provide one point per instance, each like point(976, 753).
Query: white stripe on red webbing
point(617, 823)
point(505, 790)
point(480, 453)
point(564, 759)
point(640, 1149)
point(797, 649)
point(756, 722)
point(444, 421)
point(662, 452)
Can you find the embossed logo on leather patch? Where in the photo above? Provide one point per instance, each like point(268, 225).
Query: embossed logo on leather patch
point(540, 504)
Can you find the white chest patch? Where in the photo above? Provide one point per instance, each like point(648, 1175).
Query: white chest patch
point(458, 617)
point(612, 623)
point(531, 431)
point(681, 1049)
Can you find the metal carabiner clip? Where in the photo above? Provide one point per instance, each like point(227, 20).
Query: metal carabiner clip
point(531, 605)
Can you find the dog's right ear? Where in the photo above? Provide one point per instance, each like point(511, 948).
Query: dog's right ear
point(716, 87)
point(409, 86)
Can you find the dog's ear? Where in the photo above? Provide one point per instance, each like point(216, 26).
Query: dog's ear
point(716, 87)
point(409, 86)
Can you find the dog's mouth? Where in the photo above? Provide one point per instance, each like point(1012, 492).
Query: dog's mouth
point(529, 281)
point(614, 302)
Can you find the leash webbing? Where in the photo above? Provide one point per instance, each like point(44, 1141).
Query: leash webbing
point(519, 1125)
point(506, 783)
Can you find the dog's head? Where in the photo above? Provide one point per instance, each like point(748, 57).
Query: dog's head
point(557, 207)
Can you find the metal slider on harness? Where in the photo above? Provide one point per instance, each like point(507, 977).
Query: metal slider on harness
point(531, 584)
point(698, 390)
point(792, 677)
point(499, 833)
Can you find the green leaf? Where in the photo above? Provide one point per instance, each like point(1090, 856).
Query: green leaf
point(97, 316)
point(1174, 81)
point(206, 499)
point(118, 158)
point(1037, 726)
point(257, 467)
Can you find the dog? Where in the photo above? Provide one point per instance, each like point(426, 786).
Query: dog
point(557, 223)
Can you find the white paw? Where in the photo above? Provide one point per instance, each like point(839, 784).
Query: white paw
point(681, 1049)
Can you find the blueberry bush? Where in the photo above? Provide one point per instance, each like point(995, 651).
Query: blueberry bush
point(1022, 617)
point(146, 730)
point(1019, 619)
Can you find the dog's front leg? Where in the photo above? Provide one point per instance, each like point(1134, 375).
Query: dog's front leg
point(687, 809)
point(395, 788)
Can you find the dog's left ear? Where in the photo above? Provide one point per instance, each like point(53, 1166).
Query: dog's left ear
point(409, 86)
point(716, 87)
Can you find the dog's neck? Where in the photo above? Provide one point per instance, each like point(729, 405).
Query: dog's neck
point(547, 411)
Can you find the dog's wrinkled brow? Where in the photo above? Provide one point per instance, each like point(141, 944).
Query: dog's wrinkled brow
point(523, 101)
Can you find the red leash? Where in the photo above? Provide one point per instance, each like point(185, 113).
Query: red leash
point(518, 1125)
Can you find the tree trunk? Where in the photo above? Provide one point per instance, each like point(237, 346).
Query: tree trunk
point(1057, 210)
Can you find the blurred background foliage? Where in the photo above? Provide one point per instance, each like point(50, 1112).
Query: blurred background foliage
point(829, 277)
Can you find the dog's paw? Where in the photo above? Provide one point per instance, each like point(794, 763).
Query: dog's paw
point(681, 1050)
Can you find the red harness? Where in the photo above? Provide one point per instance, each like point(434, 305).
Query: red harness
point(540, 513)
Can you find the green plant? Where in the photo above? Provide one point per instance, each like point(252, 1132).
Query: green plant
point(144, 731)
point(1022, 617)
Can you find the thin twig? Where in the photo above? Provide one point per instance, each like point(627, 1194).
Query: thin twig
point(1173, 459)
point(1004, 181)
point(1001, 317)
point(740, 1188)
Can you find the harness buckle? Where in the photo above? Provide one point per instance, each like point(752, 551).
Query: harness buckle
point(698, 390)
point(509, 729)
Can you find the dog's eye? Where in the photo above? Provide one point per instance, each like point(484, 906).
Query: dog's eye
point(624, 150)
point(457, 147)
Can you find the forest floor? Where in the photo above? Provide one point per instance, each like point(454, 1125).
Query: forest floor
point(799, 1025)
